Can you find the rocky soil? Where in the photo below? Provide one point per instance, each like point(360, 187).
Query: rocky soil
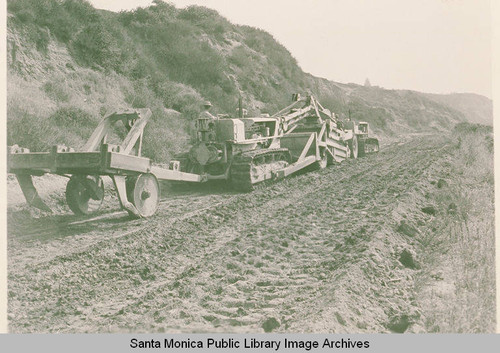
point(335, 250)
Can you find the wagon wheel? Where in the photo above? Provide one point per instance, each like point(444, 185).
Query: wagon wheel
point(84, 193)
point(144, 193)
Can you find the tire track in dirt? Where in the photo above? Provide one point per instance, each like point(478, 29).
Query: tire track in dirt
point(352, 262)
point(191, 246)
point(118, 224)
point(63, 235)
point(306, 254)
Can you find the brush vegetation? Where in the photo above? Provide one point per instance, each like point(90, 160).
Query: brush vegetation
point(460, 246)
point(70, 64)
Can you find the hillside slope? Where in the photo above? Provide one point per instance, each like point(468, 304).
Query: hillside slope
point(70, 64)
point(477, 109)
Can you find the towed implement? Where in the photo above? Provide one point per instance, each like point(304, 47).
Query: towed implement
point(134, 177)
point(245, 151)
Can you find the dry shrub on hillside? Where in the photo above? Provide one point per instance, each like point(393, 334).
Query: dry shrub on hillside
point(27, 110)
point(30, 131)
point(164, 136)
point(475, 235)
point(67, 125)
point(180, 97)
point(465, 301)
point(58, 91)
point(64, 108)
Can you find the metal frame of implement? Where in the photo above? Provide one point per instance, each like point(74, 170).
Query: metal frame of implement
point(134, 176)
point(307, 146)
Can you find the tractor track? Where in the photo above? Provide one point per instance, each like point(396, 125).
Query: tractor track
point(216, 262)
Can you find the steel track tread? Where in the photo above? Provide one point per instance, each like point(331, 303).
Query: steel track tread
point(241, 167)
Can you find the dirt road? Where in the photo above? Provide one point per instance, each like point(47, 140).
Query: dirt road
point(319, 252)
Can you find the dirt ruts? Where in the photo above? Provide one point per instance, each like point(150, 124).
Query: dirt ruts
point(317, 252)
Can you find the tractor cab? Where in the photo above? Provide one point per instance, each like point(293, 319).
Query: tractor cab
point(362, 128)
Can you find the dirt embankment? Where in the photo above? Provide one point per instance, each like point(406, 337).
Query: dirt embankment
point(335, 250)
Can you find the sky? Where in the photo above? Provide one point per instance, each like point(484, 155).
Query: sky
point(438, 46)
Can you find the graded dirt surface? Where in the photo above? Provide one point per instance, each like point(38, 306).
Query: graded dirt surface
point(322, 251)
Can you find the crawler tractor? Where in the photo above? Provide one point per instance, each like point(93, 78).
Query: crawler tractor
point(366, 144)
point(250, 150)
point(245, 151)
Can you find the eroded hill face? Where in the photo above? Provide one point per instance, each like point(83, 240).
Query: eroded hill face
point(70, 64)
